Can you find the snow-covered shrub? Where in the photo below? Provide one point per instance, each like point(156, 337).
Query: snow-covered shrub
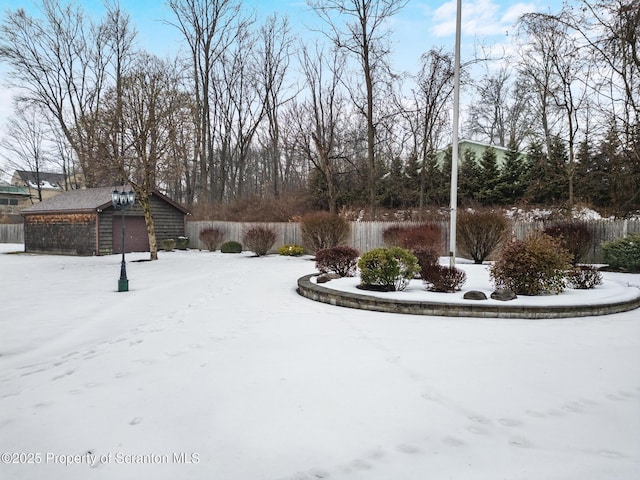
point(440, 278)
point(623, 254)
point(387, 269)
point(321, 230)
point(480, 233)
point(339, 260)
point(411, 237)
point(231, 247)
point(584, 277)
point(575, 236)
point(259, 239)
point(211, 237)
point(291, 250)
point(533, 266)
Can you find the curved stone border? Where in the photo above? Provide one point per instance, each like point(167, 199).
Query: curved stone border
point(316, 292)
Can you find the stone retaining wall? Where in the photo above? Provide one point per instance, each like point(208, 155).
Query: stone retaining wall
point(319, 293)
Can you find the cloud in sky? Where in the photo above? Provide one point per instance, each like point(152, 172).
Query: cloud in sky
point(479, 17)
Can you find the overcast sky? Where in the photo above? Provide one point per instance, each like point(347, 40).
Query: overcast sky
point(419, 26)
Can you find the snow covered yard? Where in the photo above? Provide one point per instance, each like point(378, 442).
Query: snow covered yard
point(212, 367)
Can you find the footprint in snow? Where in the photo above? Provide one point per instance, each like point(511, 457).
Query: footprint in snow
point(135, 421)
point(509, 422)
point(452, 441)
point(408, 449)
point(520, 442)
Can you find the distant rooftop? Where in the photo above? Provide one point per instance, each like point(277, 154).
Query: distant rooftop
point(47, 180)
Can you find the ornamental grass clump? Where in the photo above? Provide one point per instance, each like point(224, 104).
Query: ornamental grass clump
point(387, 269)
point(534, 266)
point(339, 260)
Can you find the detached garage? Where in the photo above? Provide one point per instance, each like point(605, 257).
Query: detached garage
point(84, 222)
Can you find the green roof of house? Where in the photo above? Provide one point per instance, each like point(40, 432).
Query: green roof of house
point(13, 190)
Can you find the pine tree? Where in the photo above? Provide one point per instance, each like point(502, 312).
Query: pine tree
point(593, 174)
point(512, 183)
point(489, 174)
point(469, 178)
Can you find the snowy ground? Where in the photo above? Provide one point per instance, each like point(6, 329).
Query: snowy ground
point(212, 367)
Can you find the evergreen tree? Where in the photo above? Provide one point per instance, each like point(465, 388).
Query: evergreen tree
point(488, 177)
point(557, 188)
point(469, 178)
point(536, 175)
point(412, 180)
point(392, 186)
point(593, 175)
point(511, 184)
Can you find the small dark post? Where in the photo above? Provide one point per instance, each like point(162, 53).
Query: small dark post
point(123, 200)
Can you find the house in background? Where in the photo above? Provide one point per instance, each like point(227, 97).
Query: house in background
point(12, 200)
point(478, 148)
point(40, 185)
point(84, 222)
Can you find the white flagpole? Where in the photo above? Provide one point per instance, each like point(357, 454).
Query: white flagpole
point(454, 143)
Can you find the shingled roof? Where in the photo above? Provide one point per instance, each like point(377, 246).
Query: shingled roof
point(47, 179)
point(84, 201)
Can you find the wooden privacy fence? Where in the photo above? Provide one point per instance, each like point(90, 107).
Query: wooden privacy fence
point(365, 236)
point(12, 233)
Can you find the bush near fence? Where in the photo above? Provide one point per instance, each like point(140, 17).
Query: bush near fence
point(366, 236)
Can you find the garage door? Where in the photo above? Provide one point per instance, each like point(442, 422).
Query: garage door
point(136, 238)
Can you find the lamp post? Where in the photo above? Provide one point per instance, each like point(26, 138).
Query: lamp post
point(122, 200)
point(455, 142)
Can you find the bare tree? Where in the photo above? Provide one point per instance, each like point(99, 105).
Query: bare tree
point(59, 63)
point(238, 111)
point(567, 78)
point(149, 102)
point(209, 27)
point(24, 146)
point(611, 30)
point(362, 36)
point(431, 98)
point(273, 53)
point(321, 113)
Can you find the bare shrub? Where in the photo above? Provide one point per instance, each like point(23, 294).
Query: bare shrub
point(211, 237)
point(412, 237)
point(426, 256)
point(480, 233)
point(440, 278)
point(575, 236)
point(340, 260)
point(259, 239)
point(322, 230)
